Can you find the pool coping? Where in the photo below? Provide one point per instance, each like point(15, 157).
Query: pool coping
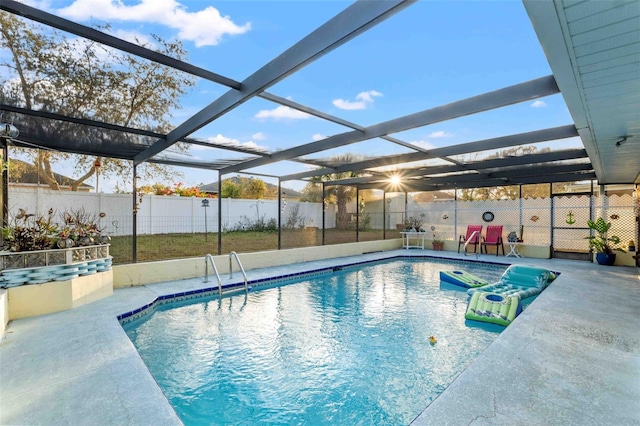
point(79, 366)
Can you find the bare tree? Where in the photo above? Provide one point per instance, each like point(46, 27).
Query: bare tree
point(45, 70)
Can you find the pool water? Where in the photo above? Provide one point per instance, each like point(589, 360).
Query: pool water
point(348, 347)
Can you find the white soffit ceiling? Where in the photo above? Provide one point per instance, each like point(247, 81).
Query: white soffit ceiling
point(593, 48)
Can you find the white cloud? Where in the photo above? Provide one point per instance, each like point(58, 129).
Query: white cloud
point(318, 137)
point(259, 136)
point(281, 113)
point(423, 144)
point(137, 38)
point(205, 27)
point(224, 140)
point(362, 100)
point(440, 134)
point(538, 104)
point(43, 5)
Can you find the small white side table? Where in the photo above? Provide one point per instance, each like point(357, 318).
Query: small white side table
point(418, 236)
point(514, 249)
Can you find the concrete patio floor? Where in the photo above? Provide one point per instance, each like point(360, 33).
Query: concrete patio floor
point(573, 357)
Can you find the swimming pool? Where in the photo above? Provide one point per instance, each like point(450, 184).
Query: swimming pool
point(348, 347)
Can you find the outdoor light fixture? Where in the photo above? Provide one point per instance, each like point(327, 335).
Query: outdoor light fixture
point(621, 141)
point(96, 166)
point(205, 204)
point(8, 130)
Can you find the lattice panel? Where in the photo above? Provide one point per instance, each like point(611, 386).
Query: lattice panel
point(570, 216)
point(536, 221)
point(621, 211)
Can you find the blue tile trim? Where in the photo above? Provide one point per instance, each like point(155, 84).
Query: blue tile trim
point(213, 291)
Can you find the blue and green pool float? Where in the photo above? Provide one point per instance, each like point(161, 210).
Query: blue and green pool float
point(462, 279)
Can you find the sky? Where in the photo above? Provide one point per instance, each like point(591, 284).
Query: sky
point(427, 55)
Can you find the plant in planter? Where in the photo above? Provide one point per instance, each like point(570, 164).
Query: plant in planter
point(28, 232)
point(414, 223)
point(437, 243)
point(603, 243)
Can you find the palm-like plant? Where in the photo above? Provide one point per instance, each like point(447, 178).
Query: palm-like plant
point(601, 241)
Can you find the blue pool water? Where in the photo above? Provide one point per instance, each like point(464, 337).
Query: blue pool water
point(344, 348)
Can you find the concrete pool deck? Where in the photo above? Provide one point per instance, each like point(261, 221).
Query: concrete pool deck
point(572, 357)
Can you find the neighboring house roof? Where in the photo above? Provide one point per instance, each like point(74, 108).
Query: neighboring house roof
point(21, 172)
point(213, 188)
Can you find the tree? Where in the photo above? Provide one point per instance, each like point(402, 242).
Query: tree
point(338, 194)
point(507, 192)
point(48, 71)
point(246, 188)
point(312, 192)
point(230, 189)
point(253, 188)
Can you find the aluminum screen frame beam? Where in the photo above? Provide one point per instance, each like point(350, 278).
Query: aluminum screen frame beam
point(418, 186)
point(541, 87)
point(54, 21)
point(507, 177)
point(123, 129)
point(134, 49)
point(561, 132)
point(337, 120)
point(131, 48)
point(343, 27)
point(538, 158)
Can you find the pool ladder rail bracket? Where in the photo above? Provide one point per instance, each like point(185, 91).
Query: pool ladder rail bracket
point(208, 259)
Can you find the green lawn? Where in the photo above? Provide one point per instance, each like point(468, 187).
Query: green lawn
point(171, 246)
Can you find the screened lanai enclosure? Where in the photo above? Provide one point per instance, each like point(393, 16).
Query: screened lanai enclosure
point(542, 176)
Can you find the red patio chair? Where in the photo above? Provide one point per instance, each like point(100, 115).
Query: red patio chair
point(472, 237)
point(493, 238)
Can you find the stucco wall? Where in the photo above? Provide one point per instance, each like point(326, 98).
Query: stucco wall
point(153, 272)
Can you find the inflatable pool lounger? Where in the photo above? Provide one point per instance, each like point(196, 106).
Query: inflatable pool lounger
point(494, 308)
point(521, 281)
point(462, 278)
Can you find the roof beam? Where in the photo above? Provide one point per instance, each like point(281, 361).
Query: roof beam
point(521, 172)
point(482, 182)
point(345, 26)
point(544, 157)
point(536, 136)
point(332, 118)
point(533, 89)
point(503, 175)
point(134, 49)
point(124, 129)
point(109, 40)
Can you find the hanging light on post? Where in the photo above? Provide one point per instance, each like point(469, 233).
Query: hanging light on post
point(205, 204)
point(8, 130)
point(96, 165)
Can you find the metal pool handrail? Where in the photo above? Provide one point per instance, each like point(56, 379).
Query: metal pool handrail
point(471, 238)
point(244, 274)
point(209, 259)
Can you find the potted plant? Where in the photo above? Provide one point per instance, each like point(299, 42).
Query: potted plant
point(414, 223)
point(437, 243)
point(603, 243)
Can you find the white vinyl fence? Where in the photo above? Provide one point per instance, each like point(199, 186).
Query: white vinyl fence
point(159, 214)
point(540, 220)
